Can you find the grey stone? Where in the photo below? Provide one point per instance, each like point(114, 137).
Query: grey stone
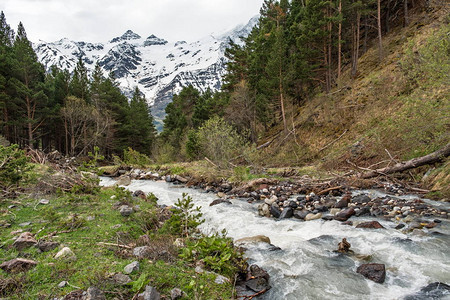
point(141, 252)
point(62, 284)
point(24, 241)
point(310, 217)
point(94, 293)
point(17, 265)
point(130, 268)
point(65, 253)
point(286, 213)
point(46, 246)
point(176, 293)
point(150, 293)
point(125, 210)
point(121, 279)
point(374, 272)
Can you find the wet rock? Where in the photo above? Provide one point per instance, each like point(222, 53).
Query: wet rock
point(141, 252)
point(123, 181)
point(219, 201)
point(176, 293)
point(435, 290)
point(286, 213)
point(139, 194)
point(321, 208)
point(264, 210)
point(328, 218)
point(400, 226)
point(125, 210)
point(344, 246)
point(310, 217)
point(361, 199)
point(257, 279)
point(293, 204)
point(150, 293)
point(169, 178)
point(348, 223)
point(271, 200)
point(343, 203)
point(46, 246)
point(253, 239)
point(334, 211)
point(65, 253)
point(374, 272)
point(345, 214)
point(362, 211)
point(17, 265)
point(301, 214)
point(275, 210)
point(180, 179)
point(372, 224)
point(94, 293)
point(130, 268)
point(24, 241)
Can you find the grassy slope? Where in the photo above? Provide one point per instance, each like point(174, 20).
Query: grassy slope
point(95, 262)
point(401, 104)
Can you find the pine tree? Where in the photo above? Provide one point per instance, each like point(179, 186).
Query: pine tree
point(28, 82)
point(79, 85)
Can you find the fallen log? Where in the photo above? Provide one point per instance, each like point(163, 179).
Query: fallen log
point(431, 158)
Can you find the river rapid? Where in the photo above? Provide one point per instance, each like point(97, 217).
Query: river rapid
point(306, 266)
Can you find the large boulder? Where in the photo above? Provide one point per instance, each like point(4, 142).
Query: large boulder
point(46, 246)
point(17, 265)
point(374, 272)
point(345, 214)
point(123, 180)
point(24, 241)
point(257, 279)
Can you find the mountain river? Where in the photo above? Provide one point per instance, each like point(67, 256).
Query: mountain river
point(306, 266)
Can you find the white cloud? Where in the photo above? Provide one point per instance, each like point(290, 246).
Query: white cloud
point(101, 20)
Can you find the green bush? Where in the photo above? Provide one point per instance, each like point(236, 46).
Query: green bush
point(185, 218)
point(134, 158)
point(219, 141)
point(217, 251)
point(14, 165)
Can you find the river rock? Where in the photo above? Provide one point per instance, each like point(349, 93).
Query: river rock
point(286, 213)
point(150, 293)
point(94, 293)
point(17, 265)
point(257, 279)
point(139, 194)
point(301, 214)
point(219, 201)
point(253, 239)
point(345, 214)
point(343, 203)
point(180, 179)
point(344, 246)
point(123, 180)
point(334, 211)
point(130, 268)
point(65, 253)
point(372, 224)
point(271, 200)
point(24, 241)
point(311, 216)
point(265, 210)
point(125, 210)
point(362, 211)
point(275, 210)
point(435, 290)
point(374, 272)
point(361, 199)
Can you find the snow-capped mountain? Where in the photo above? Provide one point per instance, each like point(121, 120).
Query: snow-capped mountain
point(158, 67)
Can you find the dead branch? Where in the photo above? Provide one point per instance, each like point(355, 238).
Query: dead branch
point(255, 295)
point(329, 190)
point(332, 142)
point(115, 245)
point(208, 160)
point(431, 158)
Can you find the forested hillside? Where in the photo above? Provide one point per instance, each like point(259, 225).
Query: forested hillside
point(71, 113)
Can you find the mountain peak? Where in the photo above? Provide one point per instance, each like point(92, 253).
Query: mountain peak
point(128, 35)
point(154, 40)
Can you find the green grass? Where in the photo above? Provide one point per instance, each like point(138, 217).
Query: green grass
point(95, 262)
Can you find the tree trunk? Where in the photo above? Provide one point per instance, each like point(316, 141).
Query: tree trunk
point(29, 124)
point(366, 26)
point(405, 9)
point(356, 49)
point(380, 43)
point(329, 50)
point(388, 15)
point(339, 41)
point(431, 158)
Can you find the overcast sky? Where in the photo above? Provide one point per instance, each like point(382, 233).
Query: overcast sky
point(101, 20)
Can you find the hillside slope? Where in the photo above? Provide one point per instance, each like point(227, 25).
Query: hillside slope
point(396, 109)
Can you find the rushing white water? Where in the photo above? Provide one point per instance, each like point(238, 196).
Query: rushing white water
point(306, 266)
